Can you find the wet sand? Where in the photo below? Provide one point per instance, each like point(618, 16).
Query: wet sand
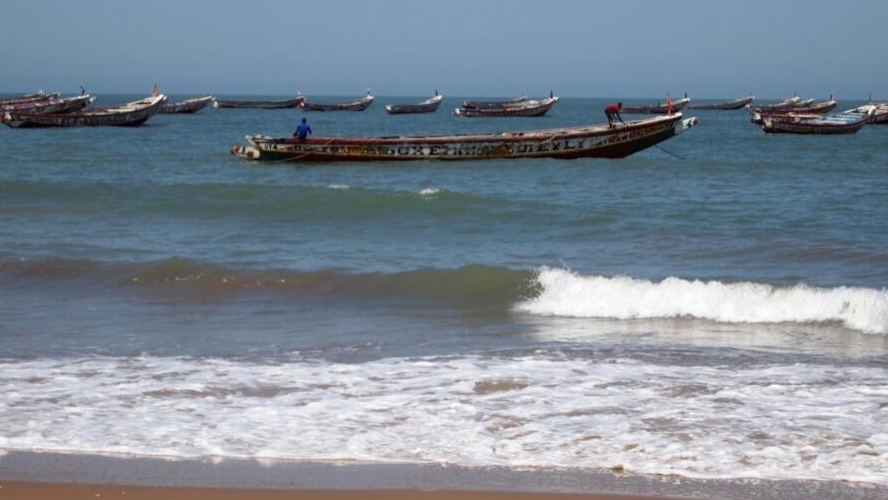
point(52, 491)
point(50, 476)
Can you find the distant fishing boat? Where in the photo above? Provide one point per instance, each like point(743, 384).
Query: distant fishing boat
point(123, 115)
point(726, 105)
point(354, 105)
point(428, 106)
point(26, 98)
point(601, 141)
point(53, 105)
point(784, 105)
point(187, 106)
point(658, 108)
point(534, 107)
point(280, 104)
point(839, 123)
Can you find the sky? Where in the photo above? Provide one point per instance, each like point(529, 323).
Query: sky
point(711, 49)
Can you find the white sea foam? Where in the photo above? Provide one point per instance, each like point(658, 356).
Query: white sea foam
point(565, 293)
point(429, 191)
point(796, 421)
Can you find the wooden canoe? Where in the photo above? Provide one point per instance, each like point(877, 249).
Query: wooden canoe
point(493, 104)
point(601, 141)
point(282, 104)
point(659, 108)
point(726, 105)
point(355, 105)
point(187, 106)
point(839, 123)
point(527, 108)
point(428, 106)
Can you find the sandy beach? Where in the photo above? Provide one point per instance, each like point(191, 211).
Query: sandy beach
point(71, 477)
point(51, 491)
point(49, 476)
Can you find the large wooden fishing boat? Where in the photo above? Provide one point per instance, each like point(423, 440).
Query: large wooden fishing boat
point(187, 106)
point(493, 104)
point(428, 106)
point(838, 123)
point(534, 107)
point(726, 105)
point(355, 105)
point(660, 108)
point(282, 104)
point(53, 105)
point(124, 115)
point(601, 141)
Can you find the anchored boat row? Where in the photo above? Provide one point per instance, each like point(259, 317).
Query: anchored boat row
point(805, 116)
point(51, 110)
point(128, 114)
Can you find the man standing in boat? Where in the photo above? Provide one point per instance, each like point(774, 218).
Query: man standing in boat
point(614, 110)
point(302, 130)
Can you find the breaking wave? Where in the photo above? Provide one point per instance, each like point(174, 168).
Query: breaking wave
point(565, 293)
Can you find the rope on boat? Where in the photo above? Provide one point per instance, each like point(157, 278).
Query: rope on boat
point(556, 134)
point(303, 155)
point(670, 152)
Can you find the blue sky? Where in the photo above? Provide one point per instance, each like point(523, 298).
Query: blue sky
point(578, 48)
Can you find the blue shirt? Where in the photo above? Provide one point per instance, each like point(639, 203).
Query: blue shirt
point(303, 130)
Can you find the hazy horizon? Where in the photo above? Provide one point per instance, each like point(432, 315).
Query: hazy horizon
point(639, 49)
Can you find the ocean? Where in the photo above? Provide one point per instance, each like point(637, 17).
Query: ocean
point(712, 308)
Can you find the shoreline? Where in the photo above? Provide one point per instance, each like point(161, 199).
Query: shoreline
point(53, 475)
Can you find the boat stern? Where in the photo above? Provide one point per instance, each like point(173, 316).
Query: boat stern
point(246, 152)
point(254, 149)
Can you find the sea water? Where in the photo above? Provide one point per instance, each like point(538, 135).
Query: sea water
point(714, 307)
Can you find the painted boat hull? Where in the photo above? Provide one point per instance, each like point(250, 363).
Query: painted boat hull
point(781, 127)
point(597, 141)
